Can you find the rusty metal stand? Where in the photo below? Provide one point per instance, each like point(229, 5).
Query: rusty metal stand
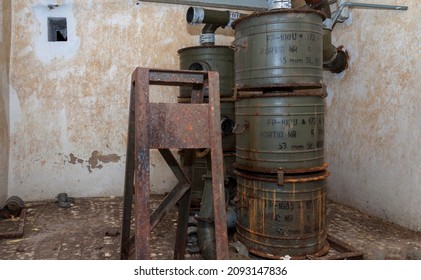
point(166, 126)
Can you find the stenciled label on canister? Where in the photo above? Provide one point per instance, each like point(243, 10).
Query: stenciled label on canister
point(292, 48)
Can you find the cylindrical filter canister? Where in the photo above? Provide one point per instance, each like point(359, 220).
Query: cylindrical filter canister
point(280, 131)
point(278, 220)
point(209, 58)
point(279, 48)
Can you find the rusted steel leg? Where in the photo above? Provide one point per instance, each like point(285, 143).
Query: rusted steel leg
point(182, 225)
point(221, 235)
point(142, 172)
point(176, 193)
point(184, 204)
point(173, 164)
point(128, 182)
point(169, 202)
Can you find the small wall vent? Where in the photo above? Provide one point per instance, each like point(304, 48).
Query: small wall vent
point(57, 29)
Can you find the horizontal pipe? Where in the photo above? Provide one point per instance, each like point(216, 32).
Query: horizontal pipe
point(376, 6)
point(213, 19)
point(221, 18)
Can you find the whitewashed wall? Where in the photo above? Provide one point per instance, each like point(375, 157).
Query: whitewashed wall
point(69, 100)
point(373, 125)
point(5, 21)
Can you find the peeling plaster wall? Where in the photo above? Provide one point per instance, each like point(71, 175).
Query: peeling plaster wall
point(373, 125)
point(69, 100)
point(5, 29)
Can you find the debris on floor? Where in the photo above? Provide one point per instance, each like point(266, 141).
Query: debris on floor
point(90, 230)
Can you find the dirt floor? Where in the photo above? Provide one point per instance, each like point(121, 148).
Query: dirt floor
point(90, 229)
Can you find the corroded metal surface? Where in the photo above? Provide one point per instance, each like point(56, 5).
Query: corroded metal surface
point(175, 125)
point(227, 116)
point(274, 221)
point(163, 126)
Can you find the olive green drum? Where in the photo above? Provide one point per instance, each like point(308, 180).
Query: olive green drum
point(281, 48)
point(209, 58)
point(278, 220)
point(275, 132)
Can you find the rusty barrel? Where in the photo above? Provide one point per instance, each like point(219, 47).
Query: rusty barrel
point(278, 220)
point(279, 48)
point(280, 130)
point(209, 58)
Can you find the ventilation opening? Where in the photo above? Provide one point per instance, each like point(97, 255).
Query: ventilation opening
point(57, 29)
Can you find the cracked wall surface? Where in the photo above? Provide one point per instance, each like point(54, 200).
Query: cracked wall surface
point(372, 122)
point(69, 100)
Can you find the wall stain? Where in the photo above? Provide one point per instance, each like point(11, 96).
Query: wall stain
point(96, 160)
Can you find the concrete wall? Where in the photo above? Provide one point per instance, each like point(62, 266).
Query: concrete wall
point(69, 100)
point(5, 28)
point(373, 125)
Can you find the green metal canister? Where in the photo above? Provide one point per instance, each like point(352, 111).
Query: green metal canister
point(278, 220)
point(282, 130)
point(209, 58)
point(279, 48)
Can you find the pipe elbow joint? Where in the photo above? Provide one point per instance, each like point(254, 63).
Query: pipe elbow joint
point(340, 63)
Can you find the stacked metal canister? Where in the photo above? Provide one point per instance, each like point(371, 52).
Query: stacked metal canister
point(279, 116)
point(208, 57)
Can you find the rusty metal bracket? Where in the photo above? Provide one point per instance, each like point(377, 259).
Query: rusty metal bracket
point(166, 126)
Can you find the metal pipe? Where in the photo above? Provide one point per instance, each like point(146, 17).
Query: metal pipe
point(221, 18)
point(213, 19)
point(205, 225)
point(205, 221)
point(331, 60)
point(340, 63)
point(338, 12)
point(376, 6)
